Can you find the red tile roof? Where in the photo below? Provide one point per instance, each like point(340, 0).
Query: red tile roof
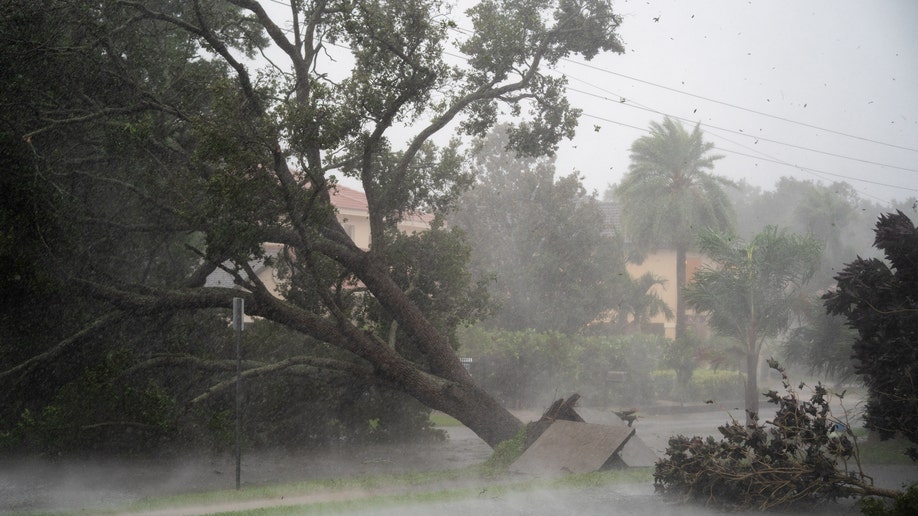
point(351, 199)
point(348, 198)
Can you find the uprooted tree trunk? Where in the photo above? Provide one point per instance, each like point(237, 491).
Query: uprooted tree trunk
point(447, 386)
point(561, 409)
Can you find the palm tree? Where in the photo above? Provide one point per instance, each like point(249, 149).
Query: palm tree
point(668, 196)
point(752, 289)
point(640, 302)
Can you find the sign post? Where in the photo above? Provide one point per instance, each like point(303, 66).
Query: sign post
point(238, 325)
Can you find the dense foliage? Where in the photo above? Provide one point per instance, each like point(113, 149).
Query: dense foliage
point(531, 369)
point(805, 455)
point(878, 300)
point(144, 149)
point(539, 240)
point(842, 221)
point(823, 344)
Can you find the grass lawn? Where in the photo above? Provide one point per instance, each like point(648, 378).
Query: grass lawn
point(875, 451)
point(376, 492)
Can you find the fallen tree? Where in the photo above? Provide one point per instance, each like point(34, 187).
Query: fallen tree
point(145, 135)
point(804, 456)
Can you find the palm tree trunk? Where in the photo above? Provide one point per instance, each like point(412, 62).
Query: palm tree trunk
point(752, 382)
point(680, 291)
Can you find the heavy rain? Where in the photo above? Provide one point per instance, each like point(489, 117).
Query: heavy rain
point(422, 256)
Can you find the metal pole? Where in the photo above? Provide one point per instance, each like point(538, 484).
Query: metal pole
point(238, 324)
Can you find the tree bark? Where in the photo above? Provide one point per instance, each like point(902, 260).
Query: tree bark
point(447, 388)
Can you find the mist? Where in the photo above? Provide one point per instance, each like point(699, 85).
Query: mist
point(71, 485)
point(416, 230)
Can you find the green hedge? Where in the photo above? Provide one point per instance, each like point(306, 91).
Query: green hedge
point(704, 385)
point(530, 369)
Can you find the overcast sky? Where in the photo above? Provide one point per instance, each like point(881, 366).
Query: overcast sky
point(823, 90)
point(773, 83)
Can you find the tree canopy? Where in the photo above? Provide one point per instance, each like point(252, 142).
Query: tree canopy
point(877, 298)
point(144, 137)
point(539, 240)
point(832, 213)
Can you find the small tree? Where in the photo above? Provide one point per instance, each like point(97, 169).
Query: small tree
point(553, 268)
point(879, 300)
point(639, 302)
point(750, 291)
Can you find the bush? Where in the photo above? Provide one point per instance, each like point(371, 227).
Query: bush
point(704, 385)
point(716, 385)
point(506, 454)
point(801, 457)
point(665, 384)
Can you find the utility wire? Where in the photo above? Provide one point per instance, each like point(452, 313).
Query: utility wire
point(734, 106)
point(635, 105)
point(709, 99)
point(628, 103)
point(766, 159)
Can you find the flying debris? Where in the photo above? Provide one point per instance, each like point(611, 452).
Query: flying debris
point(628, 416)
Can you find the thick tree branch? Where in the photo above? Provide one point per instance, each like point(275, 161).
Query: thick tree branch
point(364, 373)
point(215, 43)
point(485, 92)
point(87, 332)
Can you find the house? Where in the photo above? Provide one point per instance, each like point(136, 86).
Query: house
point(354, 215)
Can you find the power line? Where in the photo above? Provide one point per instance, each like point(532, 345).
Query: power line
point(818, 174)
point(799, 167)
point(766, 159)
point(635, 105)
point(734, 106)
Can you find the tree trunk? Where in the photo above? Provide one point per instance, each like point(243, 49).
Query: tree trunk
point(475, 409)
point(452, 392)
point(752, 383)
point(680, 291)
point(446, 387)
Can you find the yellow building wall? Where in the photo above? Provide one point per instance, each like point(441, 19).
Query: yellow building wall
point(663, 264)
